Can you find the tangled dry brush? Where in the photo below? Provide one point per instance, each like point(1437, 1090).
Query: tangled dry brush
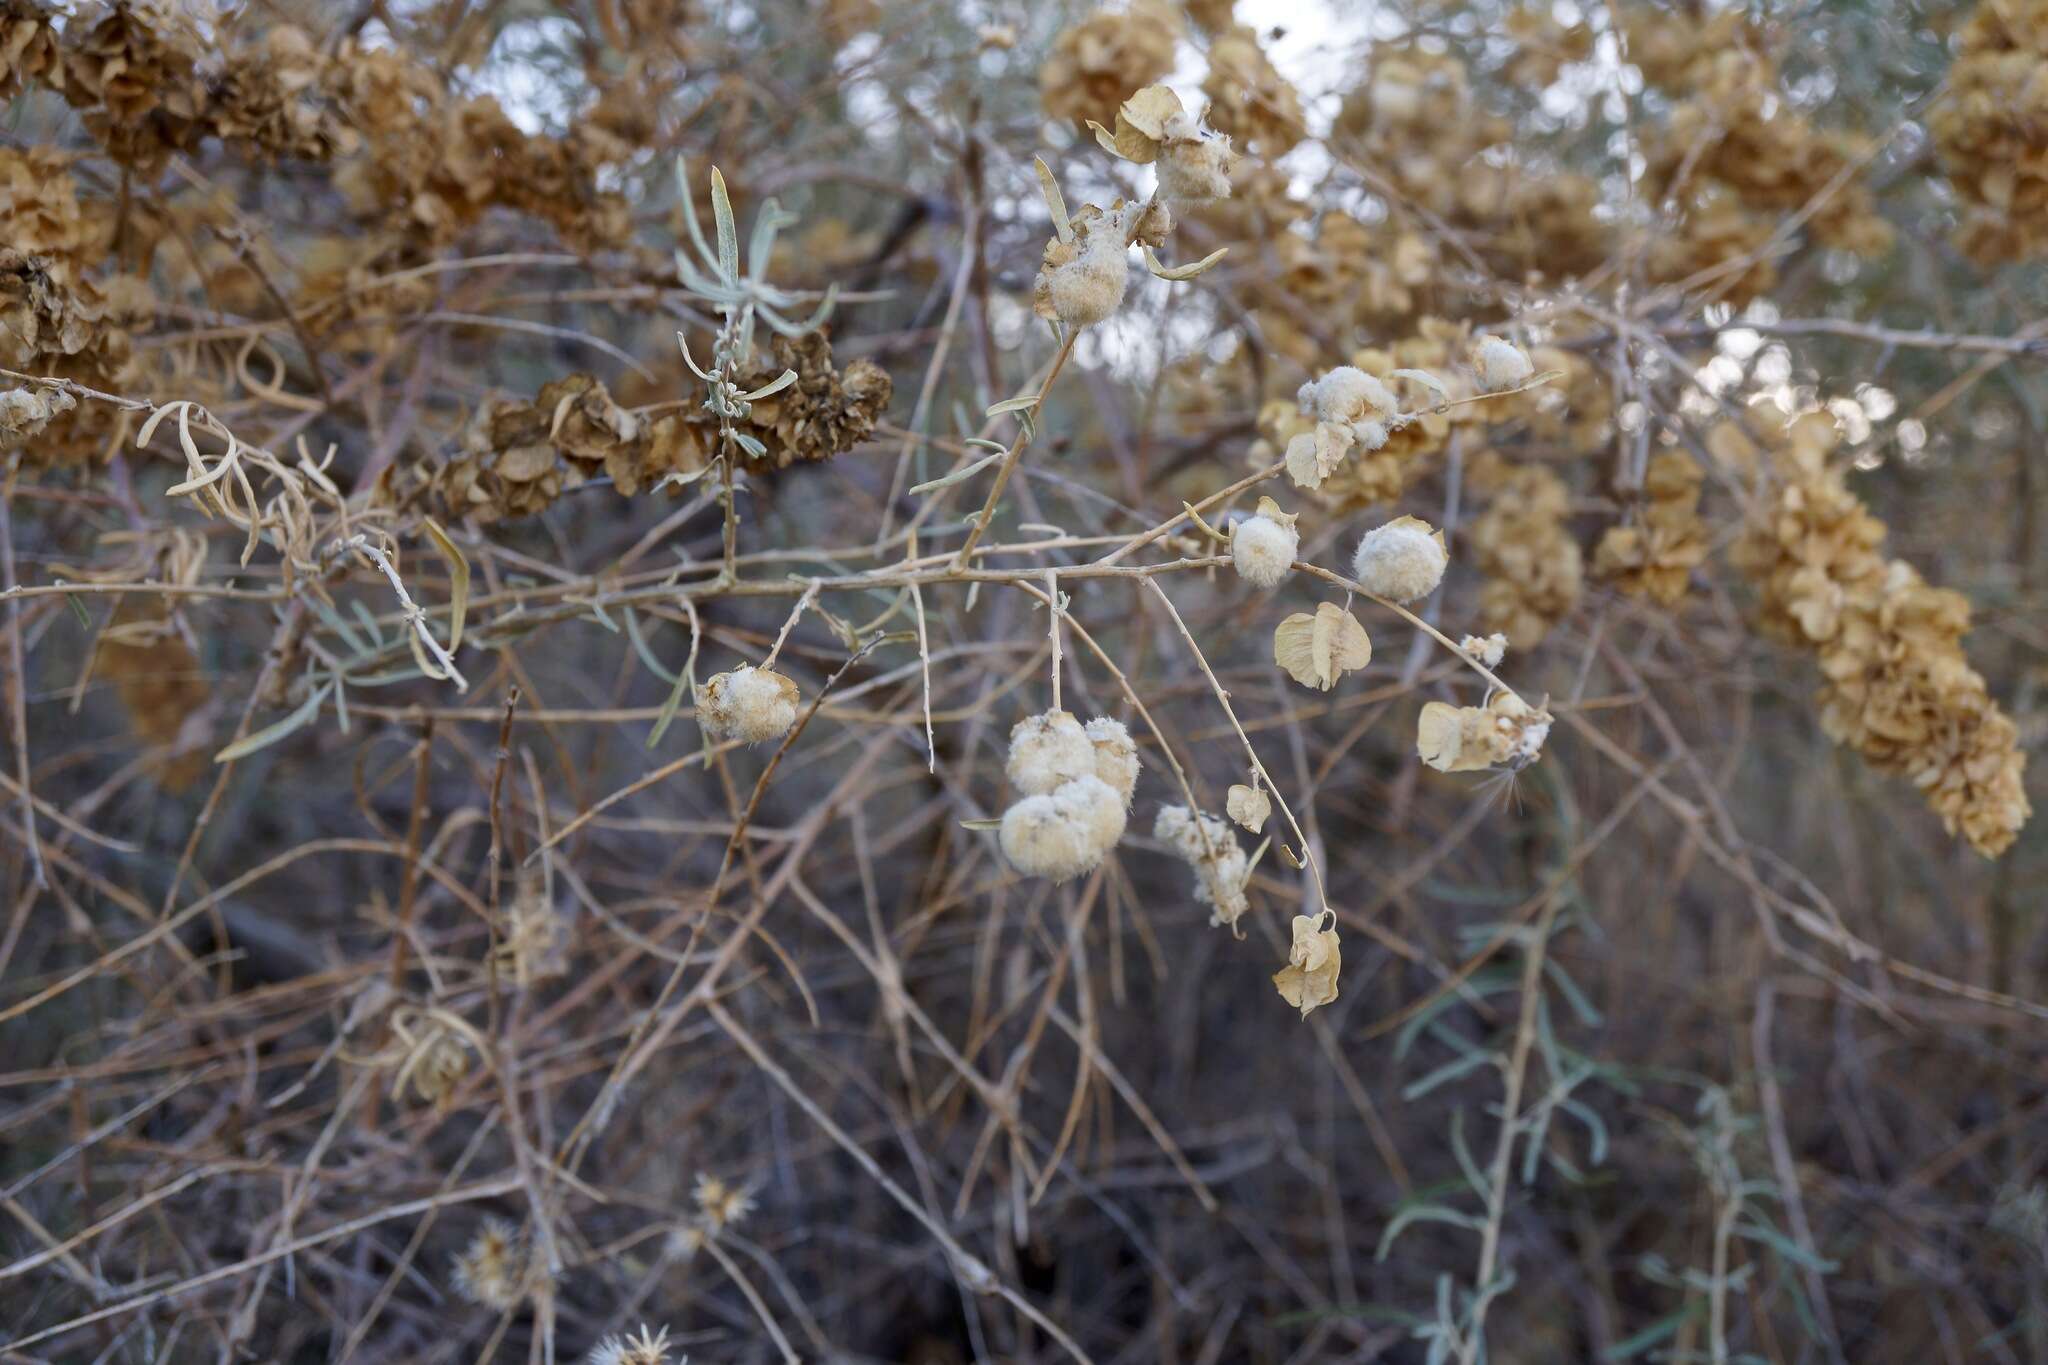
point(948, 681)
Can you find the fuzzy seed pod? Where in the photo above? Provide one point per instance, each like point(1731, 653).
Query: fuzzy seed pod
point(1195, 170)
point(1065, 834)
point(1348, 394)
point(1082, 277)
point(1047, 751)
point(1207, 844)
point(1505, 733)
point(1501, 364)
point(1402, 560)
point(1487, 649)
point(1263, 547)
point(1116, 757)
point(749, 703)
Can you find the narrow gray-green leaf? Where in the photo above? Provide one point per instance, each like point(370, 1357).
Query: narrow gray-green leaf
point(276, 730)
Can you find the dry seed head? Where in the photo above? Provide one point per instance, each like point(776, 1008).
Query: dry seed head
point(1501, 364)
point(647, 1347)
point(721, 1204)
point(1210, 847)
point(1116, 757)
point(1062, 835)
point(1402, 560)
point(1263, 549)
point(749, 703)
point(494, 1269)
point(1048, 751)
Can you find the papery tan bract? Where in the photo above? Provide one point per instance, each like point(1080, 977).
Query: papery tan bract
point(1505, 733)
point(1309, 980)
point(1248, 806)
point(1317, 650)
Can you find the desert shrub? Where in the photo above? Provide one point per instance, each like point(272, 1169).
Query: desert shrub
point(955, 681)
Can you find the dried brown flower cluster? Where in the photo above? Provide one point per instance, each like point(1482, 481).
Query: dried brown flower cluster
point(1534, 569)
point(152, 80)
point(1100, 62)
point(1732, 125)
point(1993, 129)
point(56, 322)
point(1249, 101)
point(1898, 687)
point(517, 458)
point(1655, 555)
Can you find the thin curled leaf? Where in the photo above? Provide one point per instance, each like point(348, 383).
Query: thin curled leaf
point(458, 586)
point(1055, 202)
point(1427, 380)
point(1183, 272)
point(958, 475)
point(728, 235)
point(775, 385)
point(276, 730)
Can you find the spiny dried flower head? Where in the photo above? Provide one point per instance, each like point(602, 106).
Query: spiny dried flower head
point(1501, 364)
point(1064, 834)
point(1048, 751)
point(1317, 650)
point(496, 1269)
point(748, 704)
point(533, 936)
point(1309, 979)
point(1116, 756)
point(1507, 732)
point(722, 1204)
point(1210, 847)
point(647, 1347)
point(1401, 560)
point(1263, 546)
